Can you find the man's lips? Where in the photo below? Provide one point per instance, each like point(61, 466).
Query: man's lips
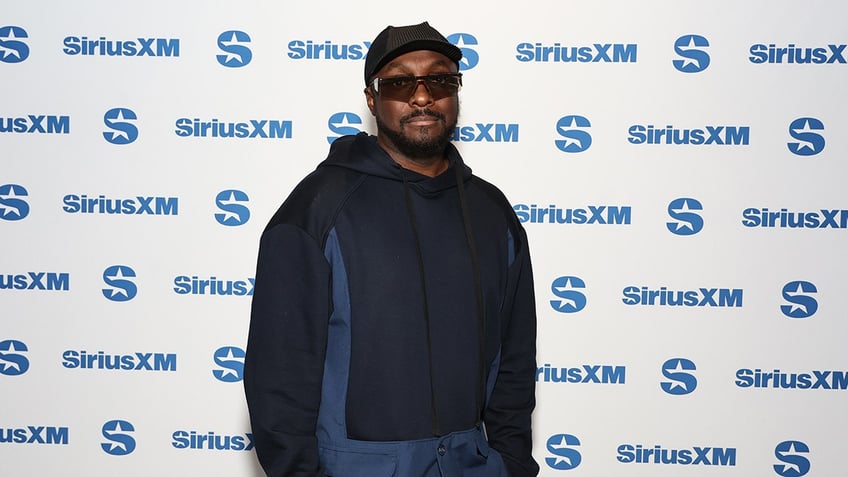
point(422, 118)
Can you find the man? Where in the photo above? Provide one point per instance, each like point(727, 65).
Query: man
point(393, 323)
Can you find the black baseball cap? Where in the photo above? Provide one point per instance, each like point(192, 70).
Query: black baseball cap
point(394, 41)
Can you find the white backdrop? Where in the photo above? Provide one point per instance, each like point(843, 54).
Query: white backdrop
point(650, 388)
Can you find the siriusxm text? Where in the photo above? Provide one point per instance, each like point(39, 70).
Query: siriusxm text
point(102, 46)
point(211, 441)
point(777, 379)
point(34, 435)
point(595, 53)
point(708, 135)
point(771, 53)
point(783, 218)
point(720, 297)
point(597, 374)
point(36, 281)
point(73, 359)
point(43, 124)
point(185, 285)
point(593, 214)
point(253, 128)
point(139, 205)
point(327, 50)
point(481, 132)
point(721, 456)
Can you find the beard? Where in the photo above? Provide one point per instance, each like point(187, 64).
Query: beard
point(419, 142)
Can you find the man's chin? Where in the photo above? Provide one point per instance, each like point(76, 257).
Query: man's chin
point(421, 134)
point(423, 143)
point(419, 141)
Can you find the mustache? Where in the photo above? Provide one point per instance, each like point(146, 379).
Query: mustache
point(422, 112)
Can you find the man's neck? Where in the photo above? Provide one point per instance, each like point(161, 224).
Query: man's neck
point(428, 166)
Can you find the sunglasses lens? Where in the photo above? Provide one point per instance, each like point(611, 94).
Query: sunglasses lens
point(442, 86)
point(397, 89)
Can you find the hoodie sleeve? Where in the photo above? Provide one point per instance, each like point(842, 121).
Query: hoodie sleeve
point(286, 345)
point(508, 415)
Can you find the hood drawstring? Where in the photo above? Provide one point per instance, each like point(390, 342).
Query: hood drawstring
point(478, 291)
point(434, 415)
point(475, 265)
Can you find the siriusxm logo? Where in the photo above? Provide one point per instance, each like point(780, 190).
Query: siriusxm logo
point(12, 49)
point(120, 287)
point(567, 289)
point(12, 206)
point(808, 142)
point(713, 297)
point(231, 201)
point(822, 219)
point(211, 441)
point(185, 285)
point(12, 360)
point(588, 373)
point(596, 53)
point(576, 139)
point(34, 435)
point(75, 45)
point(638, 454)
point(234, 44)
point(470, 58)
point(119, 433)
point(343, 124)
point(231, 359)
point(685, 221)
point(791, 54)
point(41, 124)
point(253, 128)
point(802, 305)
point(693, 50)
point(792, 455)
point(593, 214)
point(123, 131)
point(327, 50)
point(82, 359)
point(681, 380)
point(777, 379)
point(562, 447)
point(706, 136)
point(484, 132)
point(50, 281)
point(83, 204)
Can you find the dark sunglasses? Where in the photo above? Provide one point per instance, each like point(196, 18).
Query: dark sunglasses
point(401, 88)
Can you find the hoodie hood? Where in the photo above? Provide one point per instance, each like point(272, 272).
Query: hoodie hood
point(361, 153)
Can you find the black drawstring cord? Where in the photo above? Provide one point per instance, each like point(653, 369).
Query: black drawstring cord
point(436, 426)
point(478, 288)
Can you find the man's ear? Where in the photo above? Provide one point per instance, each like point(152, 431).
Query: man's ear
point(369, 99)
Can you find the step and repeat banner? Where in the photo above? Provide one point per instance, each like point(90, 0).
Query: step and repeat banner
point(679, 168)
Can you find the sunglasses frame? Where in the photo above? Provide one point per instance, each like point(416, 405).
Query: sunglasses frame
point(435, 84)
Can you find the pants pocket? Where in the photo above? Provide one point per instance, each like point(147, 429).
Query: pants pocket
point(353, 463)
point(476, 459)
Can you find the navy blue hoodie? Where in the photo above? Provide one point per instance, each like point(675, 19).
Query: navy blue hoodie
point(432, 282)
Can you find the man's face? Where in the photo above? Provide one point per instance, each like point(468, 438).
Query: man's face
point(421, 126)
